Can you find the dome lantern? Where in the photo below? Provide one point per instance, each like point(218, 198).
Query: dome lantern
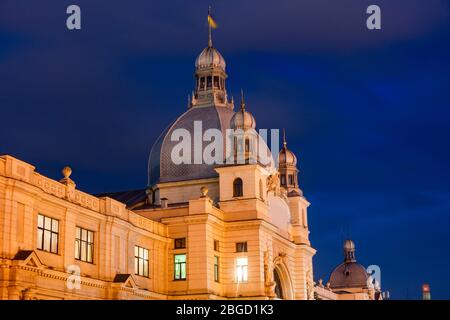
point(287, 166)
point(210, 76)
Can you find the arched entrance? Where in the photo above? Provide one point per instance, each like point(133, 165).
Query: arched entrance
point(283, 284)
point(278, 286)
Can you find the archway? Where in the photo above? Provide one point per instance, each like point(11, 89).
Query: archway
point(278, 285)
point(283, 284)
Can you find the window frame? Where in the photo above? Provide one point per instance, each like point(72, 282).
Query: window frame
point(137, 260)
point(182, 267)
point(216, 268)
point(241, 246)
point(40, 245)
point(89, 244)
point(238, 188)
point(182, 245)
point(241, 270)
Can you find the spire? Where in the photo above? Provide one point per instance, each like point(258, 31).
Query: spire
point(242, 100)
point(284, 138)
point(209, 28)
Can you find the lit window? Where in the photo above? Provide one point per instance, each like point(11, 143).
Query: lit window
point(84, 245)
point(180, 243)
point(47, 235)
point(242, 269)
point(141, 261)
point(241, 247)
point(216, 268)
point(180, 267)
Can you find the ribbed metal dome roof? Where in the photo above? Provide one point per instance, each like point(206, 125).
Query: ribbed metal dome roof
point(210, 57)
point(161, 167)
point(243, 119)
point(286, 156)
point(349, 275)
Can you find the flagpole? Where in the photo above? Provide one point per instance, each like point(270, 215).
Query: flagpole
point(209, 28)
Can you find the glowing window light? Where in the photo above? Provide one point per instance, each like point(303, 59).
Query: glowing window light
point(242, 269)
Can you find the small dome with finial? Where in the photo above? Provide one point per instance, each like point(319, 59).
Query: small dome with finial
point(286, 156)
point(210, 57)
point(242, 119)
point(349, 274)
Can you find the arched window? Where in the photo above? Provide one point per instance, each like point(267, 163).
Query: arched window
point(237, 188)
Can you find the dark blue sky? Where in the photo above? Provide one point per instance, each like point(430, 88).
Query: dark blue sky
point(367, 112)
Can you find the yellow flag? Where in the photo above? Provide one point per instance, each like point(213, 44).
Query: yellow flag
point(211, 22)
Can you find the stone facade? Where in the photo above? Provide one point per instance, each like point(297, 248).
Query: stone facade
point(30, 273)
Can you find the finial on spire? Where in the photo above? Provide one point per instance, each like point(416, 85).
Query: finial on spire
point(284, 137)
point(242, 100)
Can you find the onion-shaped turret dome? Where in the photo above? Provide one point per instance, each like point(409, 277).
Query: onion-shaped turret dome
point(243, 119)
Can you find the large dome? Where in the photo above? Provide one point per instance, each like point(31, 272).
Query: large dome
point(161, 168)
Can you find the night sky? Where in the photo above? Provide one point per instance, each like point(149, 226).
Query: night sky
point(366, 112)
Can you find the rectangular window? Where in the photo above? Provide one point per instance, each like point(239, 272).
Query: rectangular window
point(216, 245)
point(180, 267)
point(141, 261)
point(283, 180)
point(241, 247)
point(180, 243)
point(216, 268)
point(84, 245)
point(47, 235)
point(242, 269)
